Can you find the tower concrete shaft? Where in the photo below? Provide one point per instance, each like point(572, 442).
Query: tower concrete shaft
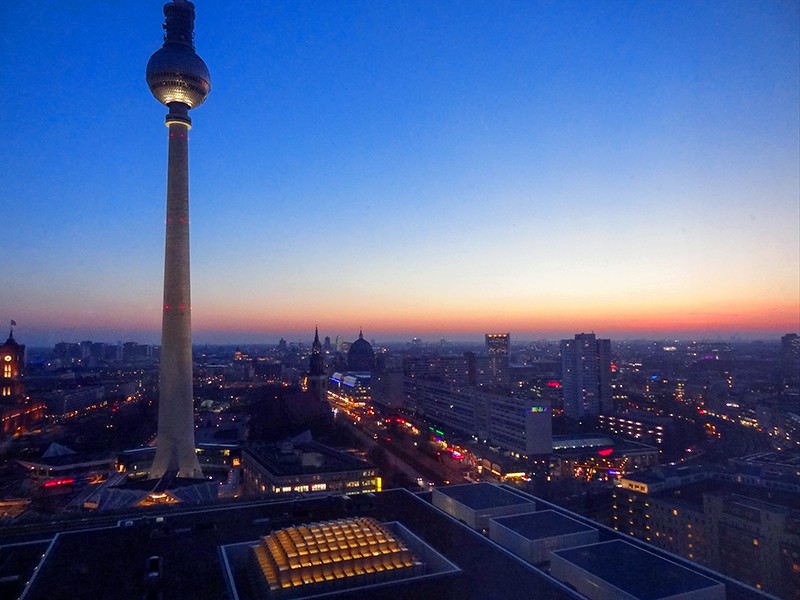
point(176, 448)
point(178, 78)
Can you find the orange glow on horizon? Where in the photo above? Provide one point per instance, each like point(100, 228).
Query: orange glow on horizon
point(770, 317)
point(384, 318)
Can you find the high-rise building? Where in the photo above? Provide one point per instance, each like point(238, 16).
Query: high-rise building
point(790, 361)
point(179, 79)
point(586, 376)
point(497, 345)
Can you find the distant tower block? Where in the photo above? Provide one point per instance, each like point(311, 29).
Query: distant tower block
point(178, 78)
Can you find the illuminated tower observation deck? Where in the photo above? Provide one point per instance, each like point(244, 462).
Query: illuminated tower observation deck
point(178, 78)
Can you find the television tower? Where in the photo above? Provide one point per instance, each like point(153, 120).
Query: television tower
point(179, 79)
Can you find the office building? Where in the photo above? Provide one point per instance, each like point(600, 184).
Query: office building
point(643, 428)
point(516, 423)
point(305, 467)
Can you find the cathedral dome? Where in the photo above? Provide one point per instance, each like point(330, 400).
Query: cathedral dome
point(361, 356)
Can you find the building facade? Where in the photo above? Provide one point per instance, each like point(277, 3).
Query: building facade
point(519, 424)
point(12, 368)
point(498, 346)
point(586, 375)
point(751, 534)
point(310, 467)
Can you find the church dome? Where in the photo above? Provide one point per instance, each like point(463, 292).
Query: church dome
point(361, 356)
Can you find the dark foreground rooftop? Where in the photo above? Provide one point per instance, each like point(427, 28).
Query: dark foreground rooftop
point(111, 562)
point(634, 571)
point(101, 557)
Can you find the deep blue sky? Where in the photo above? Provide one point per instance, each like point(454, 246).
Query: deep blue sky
point(428, 168)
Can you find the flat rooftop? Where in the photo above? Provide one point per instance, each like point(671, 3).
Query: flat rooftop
point(542, 524)
point(619, 447)
point(749, 495)
point(69, 460)
point(479, 496)
point(111, 562)
point(637, 572)
point(283, 463)
point(666, 472)
point(105, 555)
point(787, 458)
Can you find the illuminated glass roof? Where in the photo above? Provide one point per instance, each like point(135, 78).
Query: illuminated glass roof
point(357, 549)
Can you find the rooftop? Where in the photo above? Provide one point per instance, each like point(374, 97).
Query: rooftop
point(666, 472)
point(757, 497)
point(637, 572)
point(783, 458)
point(109, 561)
point(478, 496)
point(542, 524)
point(305, 458)
point(69, 460)
point(619, 446)
point(105, 556)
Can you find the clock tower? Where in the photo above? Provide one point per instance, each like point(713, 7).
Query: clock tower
point(12, 365)
point(17, 411)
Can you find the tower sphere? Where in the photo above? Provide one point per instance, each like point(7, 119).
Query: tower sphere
point(177, 74)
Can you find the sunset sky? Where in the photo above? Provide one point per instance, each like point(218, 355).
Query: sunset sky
point(413, 168)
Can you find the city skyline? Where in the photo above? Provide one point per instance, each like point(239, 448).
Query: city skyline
point(412, 170)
